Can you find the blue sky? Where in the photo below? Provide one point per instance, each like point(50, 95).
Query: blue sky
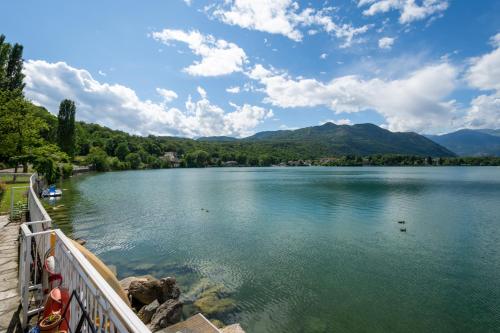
point(197, 68)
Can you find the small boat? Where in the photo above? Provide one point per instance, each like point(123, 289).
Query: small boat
point(52, 191)
point(402, 229)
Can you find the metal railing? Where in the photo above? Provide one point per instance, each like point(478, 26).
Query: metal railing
point(106, 310)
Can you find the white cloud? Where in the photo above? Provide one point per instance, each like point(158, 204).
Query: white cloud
point(101, 73)
point(385, 42)
point(484, 112)
point(409, 10)
point(417, 102)
point(202, 92)
point(323, 55)
point(188, 2)
point(282, 17)
point(233, 90)
point(218, 57)
point(343, 121)
point(168, 95)
point(119, 107)
point(484, 74)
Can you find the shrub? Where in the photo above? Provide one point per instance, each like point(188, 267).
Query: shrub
point(116, 164)
point(134, 159)
point(98, 159)
point(67, 170)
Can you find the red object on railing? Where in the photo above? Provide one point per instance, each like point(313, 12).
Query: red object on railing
point(56, 302)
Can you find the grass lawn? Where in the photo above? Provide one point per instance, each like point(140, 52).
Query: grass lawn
point(19, 194)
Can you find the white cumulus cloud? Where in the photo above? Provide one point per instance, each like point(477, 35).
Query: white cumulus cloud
point(283, 17)
point(385, 42)
point(410, 10)
point(119, 107)
point(417, 102)
point(233, 90)
point(168, 95)
point(218, 57)
point(484, 74)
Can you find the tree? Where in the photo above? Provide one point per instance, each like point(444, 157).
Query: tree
point(122, 150)
point(98, 159)
point(134, 160)
point(11, 66)
point(19, 128)
point(66, 127)
point(242, 159)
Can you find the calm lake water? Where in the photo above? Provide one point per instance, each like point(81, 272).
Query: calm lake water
point(307, 249)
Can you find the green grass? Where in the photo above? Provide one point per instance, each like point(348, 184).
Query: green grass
point(19, 194)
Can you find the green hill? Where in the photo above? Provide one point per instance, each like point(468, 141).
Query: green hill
point(330, 139)
point(468, 142)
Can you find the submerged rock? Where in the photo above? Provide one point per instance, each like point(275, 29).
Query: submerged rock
point(167, 314)
point(235, 328)
point(210, 301)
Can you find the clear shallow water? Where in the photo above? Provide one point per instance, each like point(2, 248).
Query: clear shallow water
point(307, 249)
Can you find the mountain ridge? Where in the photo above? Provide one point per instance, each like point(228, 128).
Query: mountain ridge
point(468, 142)
point(359, 139)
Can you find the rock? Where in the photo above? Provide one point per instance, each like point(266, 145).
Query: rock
point(235, 328)
point(169, 290)
point(145, 291)
point(217, 323)
point(167, 314)
point(147, 311)
point(125, 283)
point(211, 301)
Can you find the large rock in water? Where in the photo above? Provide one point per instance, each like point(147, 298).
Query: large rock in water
point(147, 312)
point(167, 314)
point(169, 289)
point(145, 291)
point(125, 283)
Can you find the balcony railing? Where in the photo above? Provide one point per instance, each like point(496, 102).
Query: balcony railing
point(104, 310)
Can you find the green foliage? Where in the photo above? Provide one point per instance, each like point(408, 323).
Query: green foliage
point(20, 127)
point(66, 127)
point(67, 170)
point(47, 162)
point(134, 160)
point(11, 66)
point(122, 150)
point(97, 159)
point(197, 159)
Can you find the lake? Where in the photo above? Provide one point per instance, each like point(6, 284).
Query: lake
point(306, 249)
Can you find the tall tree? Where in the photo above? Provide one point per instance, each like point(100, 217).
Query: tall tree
point(11, 66)
point(14, 70)
point(66, 127)
point(4, 59)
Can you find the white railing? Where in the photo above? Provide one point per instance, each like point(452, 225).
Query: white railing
point(106, 311)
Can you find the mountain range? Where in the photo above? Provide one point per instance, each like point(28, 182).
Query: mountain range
point(467, 142)
point(330, 139)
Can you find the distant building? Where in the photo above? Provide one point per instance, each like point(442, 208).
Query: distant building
point(230, 164)
point(171, 156)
